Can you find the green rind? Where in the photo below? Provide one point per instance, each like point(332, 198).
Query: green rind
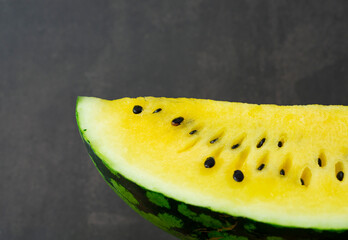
point(193, 222)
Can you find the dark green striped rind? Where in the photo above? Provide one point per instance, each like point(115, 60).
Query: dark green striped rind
point(192, 222)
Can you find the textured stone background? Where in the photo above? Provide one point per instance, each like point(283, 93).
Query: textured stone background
point(281, 51)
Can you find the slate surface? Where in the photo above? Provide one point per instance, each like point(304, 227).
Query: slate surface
point(284, 52)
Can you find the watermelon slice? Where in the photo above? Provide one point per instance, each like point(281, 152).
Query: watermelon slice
point(203, 169)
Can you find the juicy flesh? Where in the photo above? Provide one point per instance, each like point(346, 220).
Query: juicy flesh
point(291, 189)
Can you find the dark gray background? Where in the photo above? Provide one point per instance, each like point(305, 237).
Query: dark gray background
point(284, 52)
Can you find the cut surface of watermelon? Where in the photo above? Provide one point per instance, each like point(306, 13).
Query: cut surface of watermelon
point(280, 165)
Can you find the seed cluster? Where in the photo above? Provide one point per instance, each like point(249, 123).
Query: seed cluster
point(238, 175)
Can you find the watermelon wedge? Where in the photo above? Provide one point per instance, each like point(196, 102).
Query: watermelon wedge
point(204, 169)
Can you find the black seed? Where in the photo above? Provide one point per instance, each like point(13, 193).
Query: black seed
point(137, 109)
point(209, 162)
point(261, 143)
point(193, 132)
point(319, 162)
point(213, 141)
point(238, 176)
point(282, 172)
point(340, 175)
point(157, 110)
point(177, 121)
point(280, 144)
point(302, 182)
point(261, 167)
point(235, 146)
point(84, 130)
